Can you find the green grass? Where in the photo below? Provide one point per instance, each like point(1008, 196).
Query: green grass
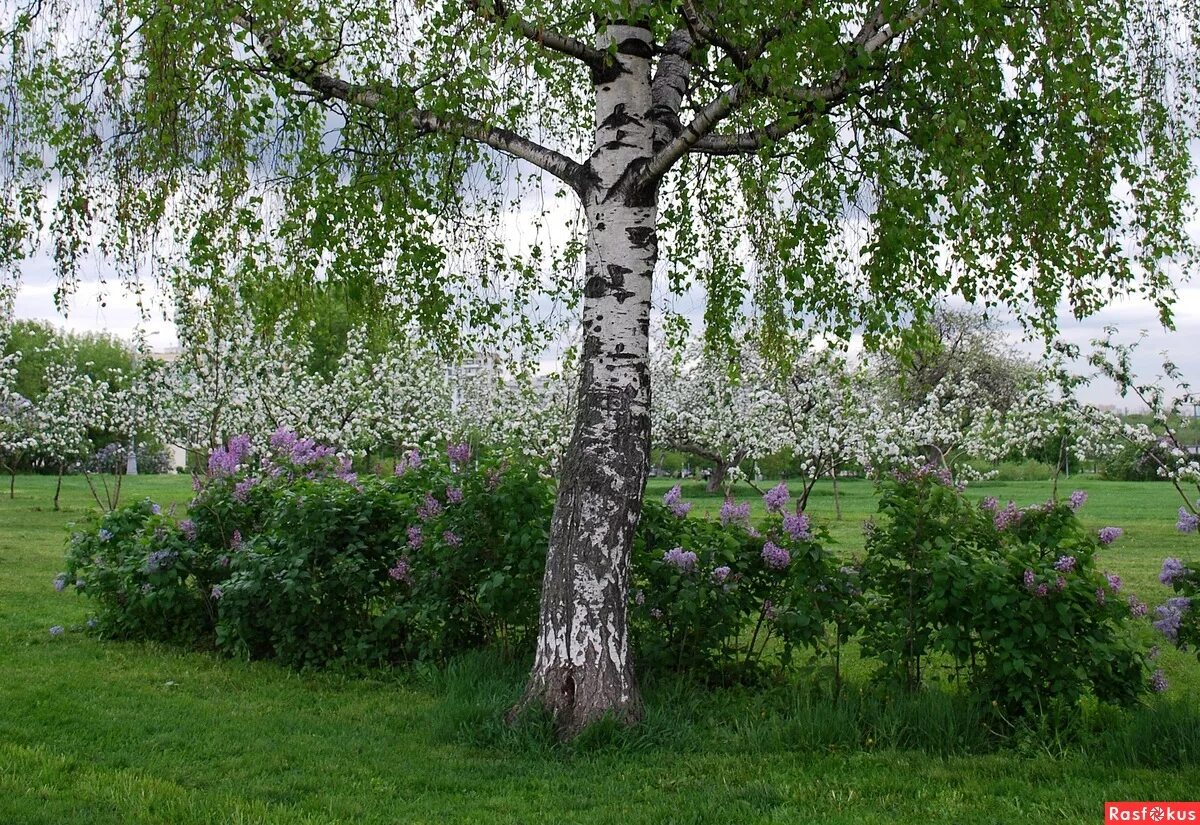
point(102, 732)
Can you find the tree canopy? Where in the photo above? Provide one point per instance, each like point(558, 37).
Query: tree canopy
point(842, 164)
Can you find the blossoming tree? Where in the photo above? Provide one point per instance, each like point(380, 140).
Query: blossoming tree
point(720, 408)
point(848, 146)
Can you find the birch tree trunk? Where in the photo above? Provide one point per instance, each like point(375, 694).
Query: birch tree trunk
point(582, 670)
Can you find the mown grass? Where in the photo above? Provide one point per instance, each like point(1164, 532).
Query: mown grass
point(102, 732)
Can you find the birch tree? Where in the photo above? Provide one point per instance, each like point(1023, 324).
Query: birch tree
point(838, 163)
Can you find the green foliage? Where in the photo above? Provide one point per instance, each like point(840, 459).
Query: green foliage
point(419, 565)
point(94, 354)
point(1012, 601)
point(1137, 463)
point(716, 619)
point(992, 134)
point(147, 580)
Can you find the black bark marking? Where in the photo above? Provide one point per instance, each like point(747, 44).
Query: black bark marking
point(619, 117)
point(635, 47)
point(640, 236)
point(596, 287)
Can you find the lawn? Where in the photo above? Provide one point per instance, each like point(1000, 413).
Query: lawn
point(104, 732)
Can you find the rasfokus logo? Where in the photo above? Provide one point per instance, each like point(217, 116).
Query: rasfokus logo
point(1151, 812)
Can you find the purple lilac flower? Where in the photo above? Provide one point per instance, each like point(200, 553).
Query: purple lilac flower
point(655, 613)
point(989, 503)
point(197, 484)
point(241, 490)
point(768, 610)
point(673, 499)
point(188, 528)
point(775, 557)
point(720, 574)
point(1170, 615)
point(1100, 597)
point(283, 440)
point(1007, 517)
point(1153, 652)
point(685, 560)
point(104, 534)
point(492, 479)
point(1172, 569)
point(1158, 682)
point(57, 630)
point(400, 572)
point(1028, 579)
point(60, 582)
point(732, 513)
point(454, 495)
point(224, 561)
point(430, 508)
point(159, 560)
point(1108, 535)
point(776, 498)
point(1060, 584)
point(451, 538)
point(412, 459)
point(1078, 499)
point(1065, 564)
point(797, 526)
point(216, 592)
point(1114, 582)
point(459, 454)
point(415, 537)
point(1137, 607)
point(155, 508)
point(1041, 590)
point(235, 541)
point(307, 451)
point(345, 472)
point(1188, 522)
point(639, 598)
point(224, 461)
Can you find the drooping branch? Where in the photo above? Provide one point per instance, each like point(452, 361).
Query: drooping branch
point(704, 30)
point(498, 12)
point(875, 34)
point(391, 102)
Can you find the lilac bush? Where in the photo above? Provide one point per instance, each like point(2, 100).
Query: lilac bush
point(713, 596)
point(1178, 618)
point(1008, 601)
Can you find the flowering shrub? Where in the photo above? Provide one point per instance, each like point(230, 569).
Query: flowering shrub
point(1010, 598)
point(1178, 618)
point(711, 596)
point(441, 556)
point(147, 579)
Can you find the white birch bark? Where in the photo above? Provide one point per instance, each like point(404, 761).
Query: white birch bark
point(583, 669)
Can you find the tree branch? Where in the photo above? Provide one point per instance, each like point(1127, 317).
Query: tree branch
point(496, 11)
point(703, 30)
point(873, 36)
point(671, 81)
point(697, 128)
point(383, 98)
